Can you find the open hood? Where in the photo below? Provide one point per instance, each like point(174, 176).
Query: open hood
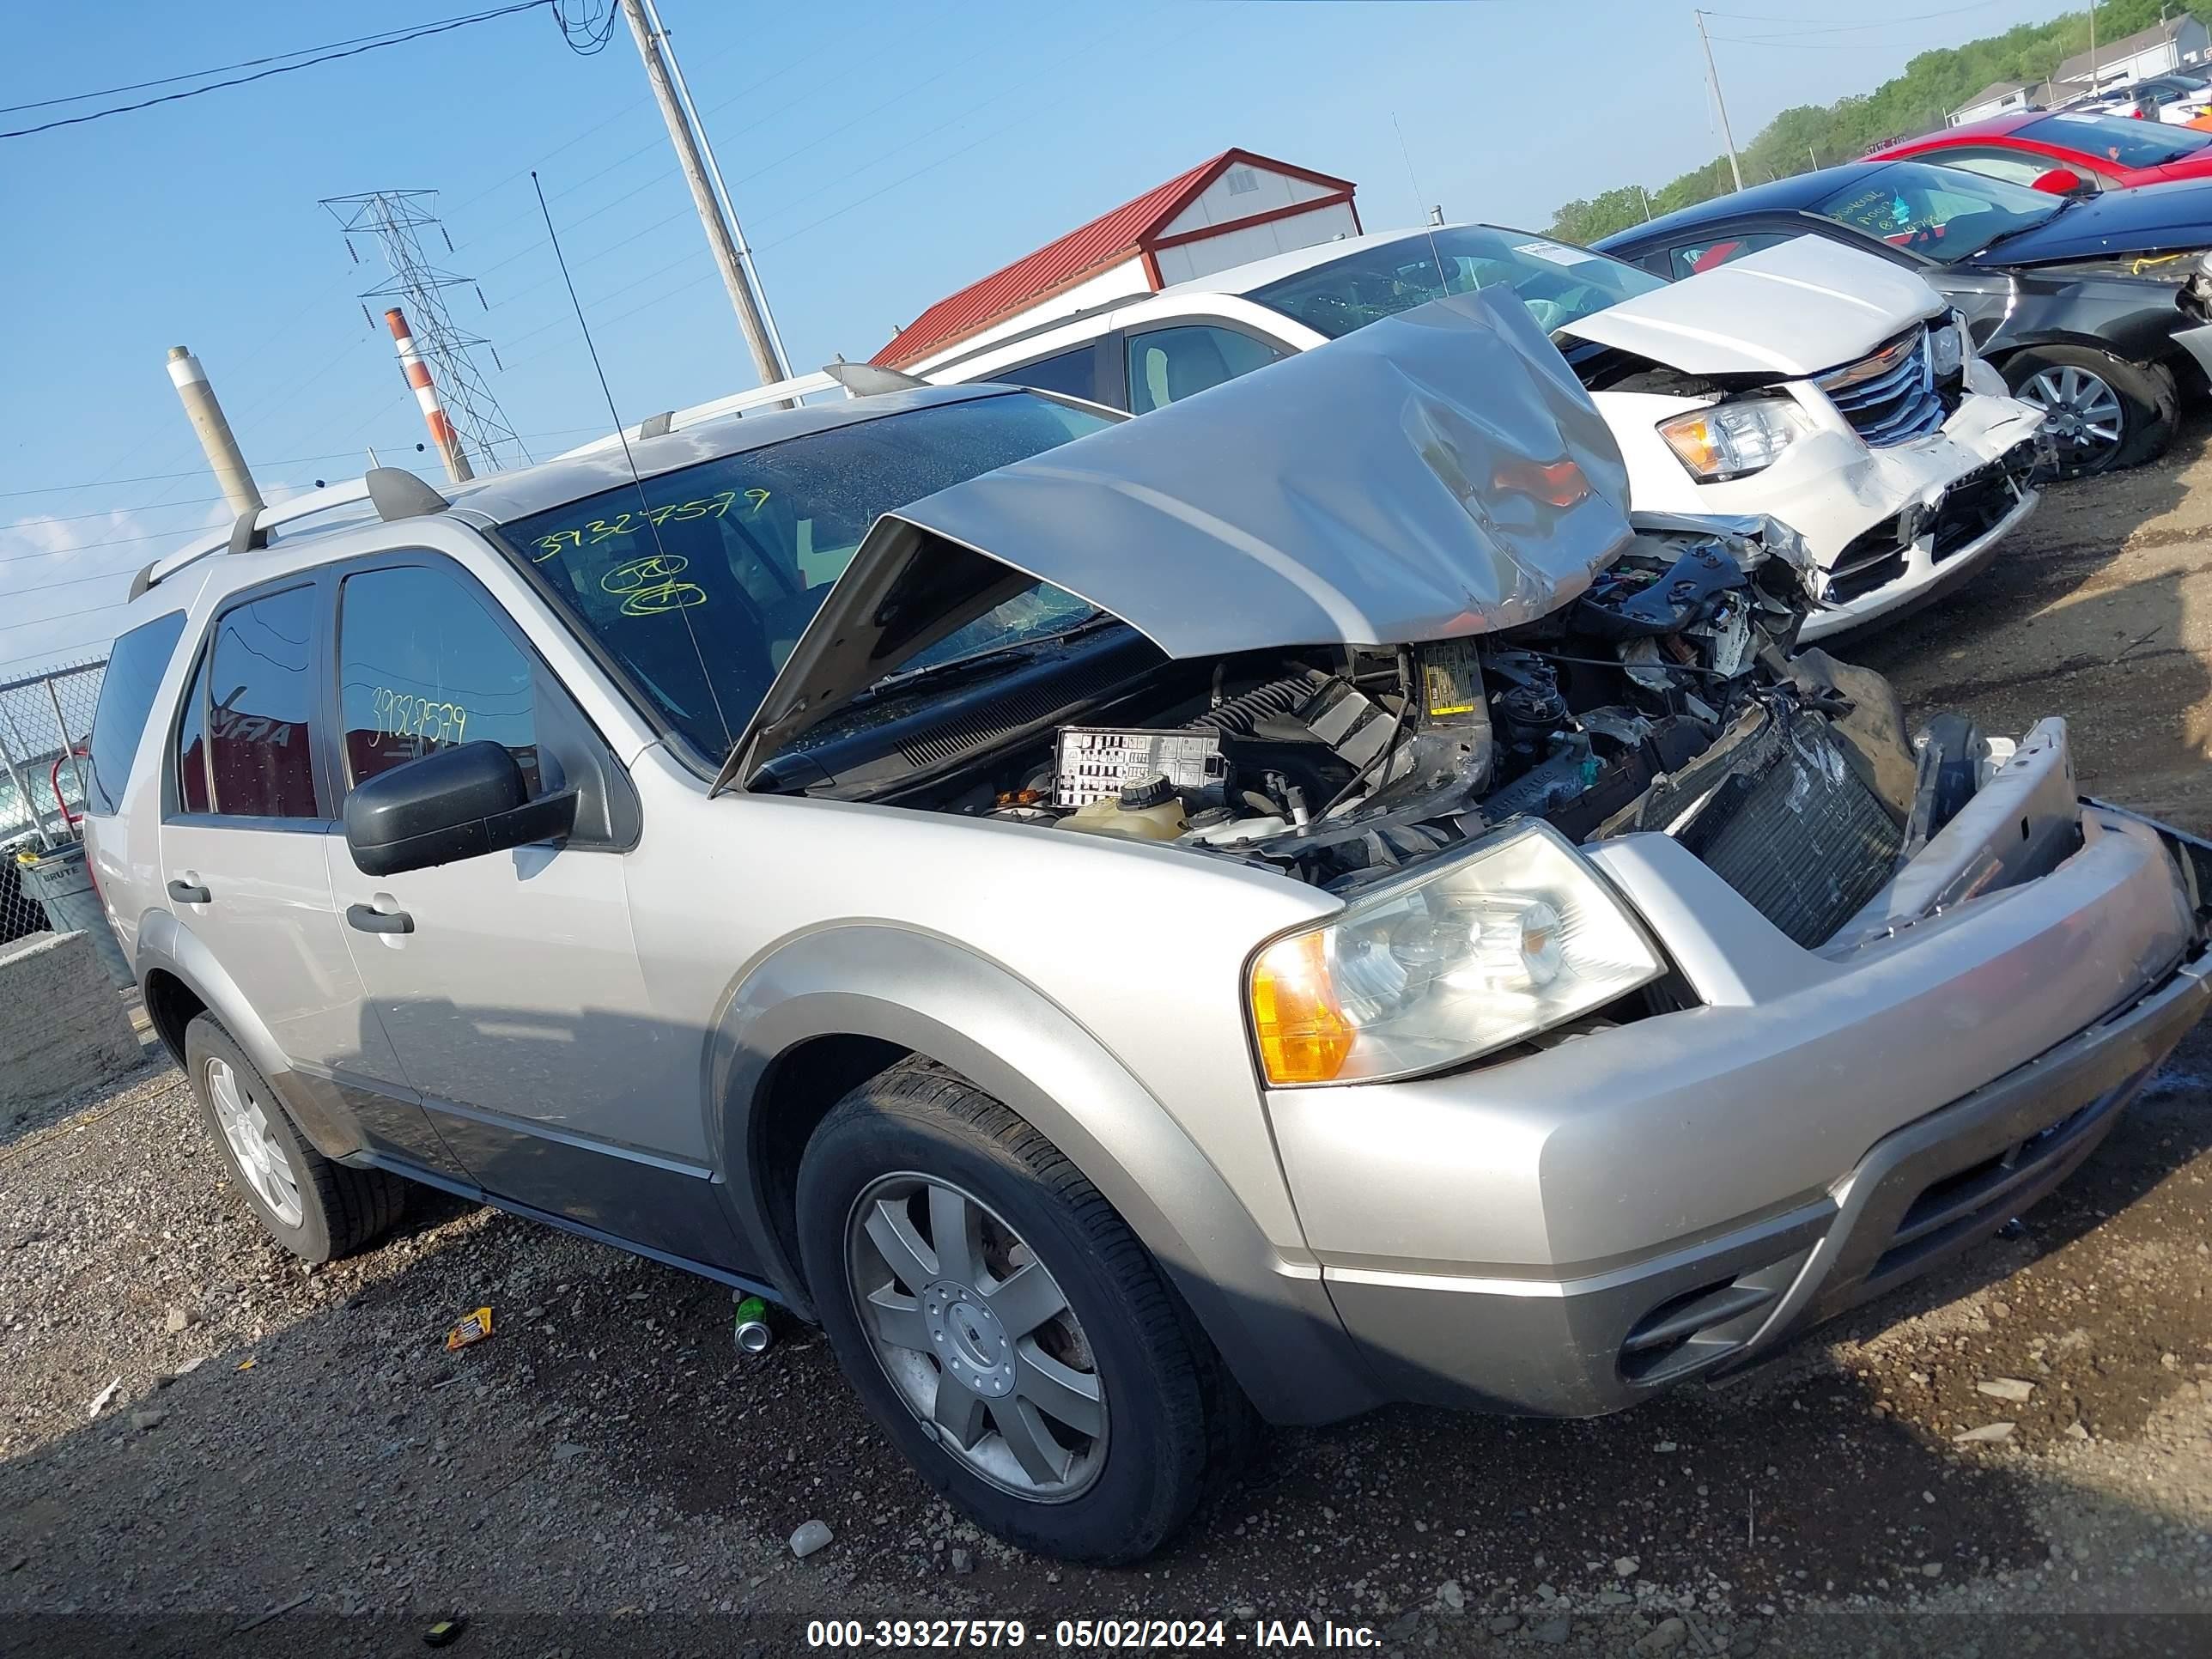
point(1794, 310)
point(1434, 474)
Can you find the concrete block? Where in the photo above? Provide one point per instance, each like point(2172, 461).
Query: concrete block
point(62, 1025)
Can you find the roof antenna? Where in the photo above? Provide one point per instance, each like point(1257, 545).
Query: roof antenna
point(1444, 283)
point(660, 553)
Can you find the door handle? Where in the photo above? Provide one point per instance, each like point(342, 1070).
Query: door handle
point(378, 921)
point(185, 892)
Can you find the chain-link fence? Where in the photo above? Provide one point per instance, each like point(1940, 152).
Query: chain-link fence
point(43, 720)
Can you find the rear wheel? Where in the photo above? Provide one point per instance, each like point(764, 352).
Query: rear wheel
point(314, 1208)
point(2102, 411)
point(1004, 1326)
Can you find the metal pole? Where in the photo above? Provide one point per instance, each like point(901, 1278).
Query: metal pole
point(1646, 195)
point(426, 395)
point(727, 202)
point(68, 747)
point(702, 195)
point(223, 455)
point(1713, 80)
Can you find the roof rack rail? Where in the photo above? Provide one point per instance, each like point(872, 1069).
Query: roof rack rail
point(741, 403)
point(254, 532)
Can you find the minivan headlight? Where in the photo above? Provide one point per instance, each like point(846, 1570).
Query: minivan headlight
point(1946, 347)
point(1736, 439)
point(1514, 937)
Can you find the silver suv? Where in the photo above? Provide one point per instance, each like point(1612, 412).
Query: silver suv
point(1288, 904)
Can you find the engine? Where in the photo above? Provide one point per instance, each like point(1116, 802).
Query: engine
point(1333, 770)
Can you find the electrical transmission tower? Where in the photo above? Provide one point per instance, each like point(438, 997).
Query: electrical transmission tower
point(399, 219)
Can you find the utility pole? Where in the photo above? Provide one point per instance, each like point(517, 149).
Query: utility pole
point(722, 192)
point(652, 47)
point(224, 458)
point(1646, 196)
point(1713, 80)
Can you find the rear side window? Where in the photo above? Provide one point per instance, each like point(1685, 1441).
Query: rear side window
point(261, 676)
point(134, 666)
point(1171, 363)
point(1689, 260)
point(424, 667)
point(1074, 374)
point(191, 745)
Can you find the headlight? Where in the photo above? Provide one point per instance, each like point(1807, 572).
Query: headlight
point(1732, 440)
point(1946, 347)
point(1510, 938)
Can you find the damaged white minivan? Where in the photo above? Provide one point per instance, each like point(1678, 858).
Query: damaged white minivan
point(1815, 384)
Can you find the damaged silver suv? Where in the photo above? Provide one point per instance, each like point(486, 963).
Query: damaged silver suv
point(1293, 903)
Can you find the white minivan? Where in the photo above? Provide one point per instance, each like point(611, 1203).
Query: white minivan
point(1821, 386)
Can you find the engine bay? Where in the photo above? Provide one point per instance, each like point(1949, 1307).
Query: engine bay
point(1340, 766)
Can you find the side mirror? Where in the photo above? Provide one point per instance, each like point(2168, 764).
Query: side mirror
point(2061, 181)
point(454, 804)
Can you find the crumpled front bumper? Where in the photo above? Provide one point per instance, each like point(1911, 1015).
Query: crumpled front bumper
point(1877, 521)
point(1567, 1232)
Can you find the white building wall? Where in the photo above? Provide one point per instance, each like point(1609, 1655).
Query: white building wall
point(1114, 283)
point(2010, 102)
point(1241, 193)
point(1236, 247)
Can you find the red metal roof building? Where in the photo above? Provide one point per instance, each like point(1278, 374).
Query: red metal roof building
point(1236, 208)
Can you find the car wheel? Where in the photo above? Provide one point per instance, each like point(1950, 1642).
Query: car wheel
point(2103, 411)
point(1003, 1325)
point(315, 1208)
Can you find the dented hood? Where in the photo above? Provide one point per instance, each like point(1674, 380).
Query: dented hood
point(1434, 474)
point(1793, 310)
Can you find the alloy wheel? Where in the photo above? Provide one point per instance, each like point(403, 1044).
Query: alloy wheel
point(260, 1159)
point(2081, 410)
point(976, 1336)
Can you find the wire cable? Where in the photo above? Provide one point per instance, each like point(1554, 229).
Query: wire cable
point(192, 75)
point(446, 27)
point(585, 38)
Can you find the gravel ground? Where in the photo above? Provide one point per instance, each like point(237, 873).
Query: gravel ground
point(288, 1461)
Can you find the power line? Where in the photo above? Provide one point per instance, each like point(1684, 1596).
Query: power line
point(192, 75)
point(283, 69)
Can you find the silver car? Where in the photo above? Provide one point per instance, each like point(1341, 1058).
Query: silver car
point(1296, 902)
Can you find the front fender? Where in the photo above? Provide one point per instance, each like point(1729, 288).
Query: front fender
point(165, 944)
point(936, 997)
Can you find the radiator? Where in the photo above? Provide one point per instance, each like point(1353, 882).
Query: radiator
point(1799, 834)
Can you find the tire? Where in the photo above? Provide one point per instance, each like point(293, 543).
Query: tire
point(1172, 1421)
point(2144, 392)
point(321, 1210)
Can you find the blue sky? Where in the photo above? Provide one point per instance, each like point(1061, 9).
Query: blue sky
point(880, 154)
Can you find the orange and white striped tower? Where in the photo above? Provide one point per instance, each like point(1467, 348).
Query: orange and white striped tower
point(426, 394)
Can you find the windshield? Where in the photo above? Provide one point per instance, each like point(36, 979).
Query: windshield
point(699, 584)
point(2123, 142)
point(1940, 213)
point(1559, 284)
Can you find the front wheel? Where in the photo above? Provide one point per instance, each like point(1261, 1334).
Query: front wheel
point(2102, 411)
point(1003, 1325)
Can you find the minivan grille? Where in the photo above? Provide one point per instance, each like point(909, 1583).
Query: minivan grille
point(1890, 397)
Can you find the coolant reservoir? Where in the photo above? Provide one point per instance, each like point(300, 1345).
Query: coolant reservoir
point(1148, 809)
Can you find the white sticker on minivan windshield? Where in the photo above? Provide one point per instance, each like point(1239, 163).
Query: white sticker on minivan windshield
point(1557, 252)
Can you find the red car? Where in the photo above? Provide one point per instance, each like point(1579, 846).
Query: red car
point(2103, 152)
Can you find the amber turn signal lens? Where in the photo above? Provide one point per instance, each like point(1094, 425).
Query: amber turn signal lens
point(1303, 1034)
